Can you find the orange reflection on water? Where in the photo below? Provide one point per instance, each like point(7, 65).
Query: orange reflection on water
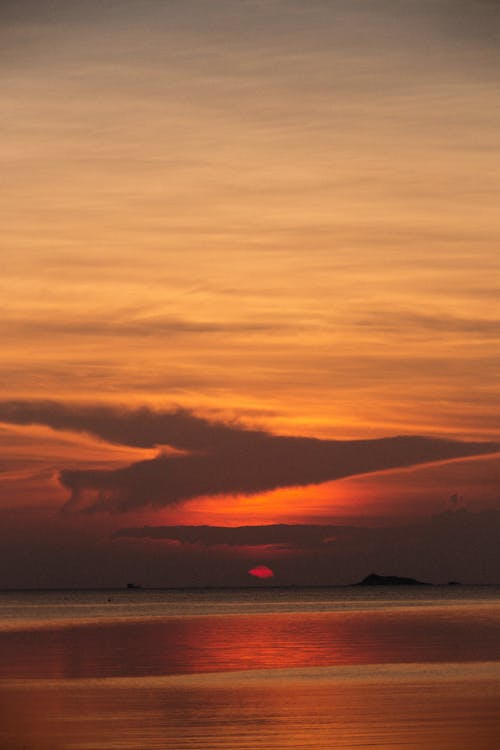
point(419, 712)
point(190, 645)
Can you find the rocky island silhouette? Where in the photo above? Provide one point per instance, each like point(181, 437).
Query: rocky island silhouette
point(375, 580)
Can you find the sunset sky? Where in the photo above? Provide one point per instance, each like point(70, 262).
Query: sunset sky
point(247, 246)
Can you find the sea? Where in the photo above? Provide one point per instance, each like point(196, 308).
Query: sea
point(391, 668)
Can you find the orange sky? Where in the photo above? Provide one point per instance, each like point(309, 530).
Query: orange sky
point(283, 212)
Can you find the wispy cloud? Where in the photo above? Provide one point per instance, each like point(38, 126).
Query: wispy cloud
point(128, 327)
point(285, 535)
point(419, 323)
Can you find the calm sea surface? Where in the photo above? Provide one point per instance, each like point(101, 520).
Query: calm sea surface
point(253, 669)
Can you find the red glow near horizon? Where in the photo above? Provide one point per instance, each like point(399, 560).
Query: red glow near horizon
point(261, 571)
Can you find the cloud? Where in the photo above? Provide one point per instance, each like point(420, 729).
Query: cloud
point(40, 549)
point(438, 323)
point(456, 544)
point(141, 428)
point(220, 459)
point(284, 535)
point(473, 21)
point(128, 326)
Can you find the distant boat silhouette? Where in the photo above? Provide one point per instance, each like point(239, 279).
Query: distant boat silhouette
point(134, 586)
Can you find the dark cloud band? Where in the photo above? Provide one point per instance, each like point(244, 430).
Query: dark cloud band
point(221, 459)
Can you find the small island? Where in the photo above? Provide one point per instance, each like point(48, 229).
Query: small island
point(375, 580)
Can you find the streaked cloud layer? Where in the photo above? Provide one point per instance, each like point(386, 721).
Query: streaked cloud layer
point(206, 203)
point(280, 212)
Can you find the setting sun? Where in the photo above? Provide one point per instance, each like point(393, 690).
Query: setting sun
point(261, 571)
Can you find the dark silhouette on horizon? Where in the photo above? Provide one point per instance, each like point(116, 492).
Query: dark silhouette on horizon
point(375, 580)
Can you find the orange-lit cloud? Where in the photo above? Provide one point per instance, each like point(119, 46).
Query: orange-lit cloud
point(277, 214)
point(195, 214)
point(214, 458)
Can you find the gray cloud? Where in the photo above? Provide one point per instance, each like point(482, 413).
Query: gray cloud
point(141, 428)
point(40, 549)
point(473, 21)
point(154, 325)
point(281, 535)
point(222, 459)
point(423, 323)
point(455, 544)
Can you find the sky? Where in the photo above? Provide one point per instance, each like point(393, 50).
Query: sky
point(250, 291)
